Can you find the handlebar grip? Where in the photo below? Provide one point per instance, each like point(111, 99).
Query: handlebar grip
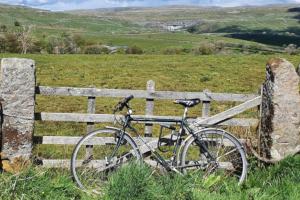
point(127, 99)
point(122, 103)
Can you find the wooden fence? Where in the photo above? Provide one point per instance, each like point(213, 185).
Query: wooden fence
point(150, 95)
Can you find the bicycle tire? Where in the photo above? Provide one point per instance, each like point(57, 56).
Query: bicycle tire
point(228, 153)
point(89, 162)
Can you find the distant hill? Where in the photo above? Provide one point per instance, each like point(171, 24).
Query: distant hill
point(270, 27)
point(280, 20)
point(48, 22)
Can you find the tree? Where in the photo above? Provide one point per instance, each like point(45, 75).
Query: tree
point(2, 44)
point(16, 23)
point(25, 38)
point(12, 44)
point(3, 28)
point(79, 40)
point(55, 45)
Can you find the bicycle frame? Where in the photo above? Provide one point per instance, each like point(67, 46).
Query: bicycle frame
point(184, 125)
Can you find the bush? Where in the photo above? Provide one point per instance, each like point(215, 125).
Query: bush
point(37, 46)
point(176, 51)
point(292, 49)
point(134, 50)
point(12, 43)
point(17, 23)
point(79, 40)
point(55, 45)
point(172, 51)
point(93, 49)
point(2, 44)
point(206, 49)
point(3, 28)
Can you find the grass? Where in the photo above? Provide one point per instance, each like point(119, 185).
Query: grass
point(35, 184)
point(279, 181)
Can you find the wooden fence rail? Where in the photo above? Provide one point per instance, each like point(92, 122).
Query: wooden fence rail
point(150, 95)
point(18, 92)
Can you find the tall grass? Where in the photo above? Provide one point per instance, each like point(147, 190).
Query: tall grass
point(140, 182)
point(280, 181)
point(36, 184)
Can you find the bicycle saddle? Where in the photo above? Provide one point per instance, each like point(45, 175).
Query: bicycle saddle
point(187, 102)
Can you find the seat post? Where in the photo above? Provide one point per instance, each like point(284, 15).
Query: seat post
point(185, 112)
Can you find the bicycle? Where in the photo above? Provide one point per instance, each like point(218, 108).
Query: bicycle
point(206, 149)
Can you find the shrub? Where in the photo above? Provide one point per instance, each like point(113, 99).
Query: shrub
point(104, 50)
point(55, 45)
point(17, 23)
point(171, 51)
point(292, 49)
point(206, 49)
point(134, 50)
point(79, 40)
point(220, 45)
point(2, 44)
point(3, 28)
point(12, 43)
point(93, 49)
point(176, 51)
point(192, 29)
point(37, 46)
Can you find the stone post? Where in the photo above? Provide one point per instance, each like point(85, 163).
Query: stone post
point(18, 94)
point(280, 114)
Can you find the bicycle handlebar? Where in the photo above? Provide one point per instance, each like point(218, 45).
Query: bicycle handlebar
point(124, 102)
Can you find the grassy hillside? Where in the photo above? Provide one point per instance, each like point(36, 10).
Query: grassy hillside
point(247, 23)
point(237, 28)
point(47, 22)
point(272, 17)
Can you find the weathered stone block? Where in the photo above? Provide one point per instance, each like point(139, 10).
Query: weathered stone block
point(280, 125)
point(18, 94)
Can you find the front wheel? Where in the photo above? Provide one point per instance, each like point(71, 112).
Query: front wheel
point(98, 154)
point(214, 152)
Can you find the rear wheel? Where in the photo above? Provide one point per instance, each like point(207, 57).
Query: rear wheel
point(214, 152)
point(96, 155)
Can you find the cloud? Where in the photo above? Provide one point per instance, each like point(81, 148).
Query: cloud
point(88, 4)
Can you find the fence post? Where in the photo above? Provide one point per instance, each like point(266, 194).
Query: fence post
point(91, 109)
point(206, 105)
point(149, 107)
point(280, 121)
point(18, 94)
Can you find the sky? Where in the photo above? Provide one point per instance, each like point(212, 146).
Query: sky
point(57, 5)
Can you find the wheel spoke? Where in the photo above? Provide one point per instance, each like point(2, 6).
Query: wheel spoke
point(229, 152)
point(91, 171)
point(217, 153)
